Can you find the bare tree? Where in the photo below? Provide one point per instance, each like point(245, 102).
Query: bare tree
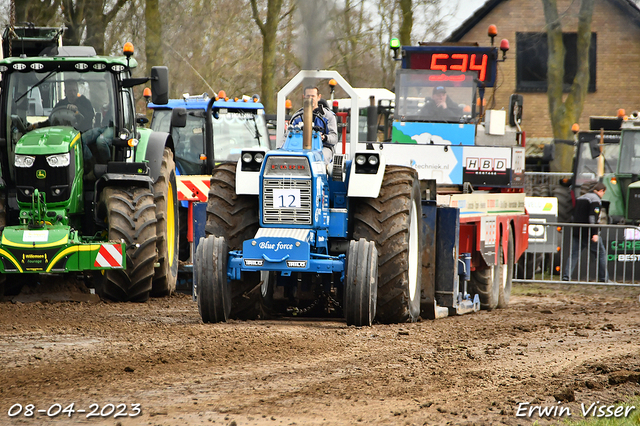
point(39, 12)
point(565, 112)
point(86, 21)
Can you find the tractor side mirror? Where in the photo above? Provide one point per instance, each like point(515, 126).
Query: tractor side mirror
point(141, 119)
point(179, 117)
point(594, 147)
point(515, 109)
point(160, 85)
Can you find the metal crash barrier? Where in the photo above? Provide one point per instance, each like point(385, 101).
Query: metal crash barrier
point(548, 258)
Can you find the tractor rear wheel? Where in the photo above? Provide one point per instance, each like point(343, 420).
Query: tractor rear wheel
point(361, 283)
point(210, 274)
point(131, 217)
point(392, 222)
point(486, 282)
point(235, 217)
point(506, 272)
point(167, 227)
point(565, 204)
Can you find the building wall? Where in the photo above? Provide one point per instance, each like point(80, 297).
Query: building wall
point(617, 59)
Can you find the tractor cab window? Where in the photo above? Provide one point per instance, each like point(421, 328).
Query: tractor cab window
point(432, 96)
point(629, 162)
point(235, 131)
point(587, 167)
point(188, 142)
point(37, 99)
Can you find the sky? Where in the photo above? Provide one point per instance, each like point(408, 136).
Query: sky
point(465, 10)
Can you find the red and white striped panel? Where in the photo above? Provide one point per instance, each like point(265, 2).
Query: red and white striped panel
point(109, 256)
point(193, 188)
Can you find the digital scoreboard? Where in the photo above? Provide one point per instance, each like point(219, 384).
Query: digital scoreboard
point(453, 61)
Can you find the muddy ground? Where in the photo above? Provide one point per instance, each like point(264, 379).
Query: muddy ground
point(553, 347)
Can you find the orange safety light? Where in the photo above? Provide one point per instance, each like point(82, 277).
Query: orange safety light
point(614, 181)
point(333, 83)
point(557, 268)
point(287, 104)
point(559, 229)
point(621, 113)
point(575, 128)
point(492, 31)
point(226, 98)
point(146, 93)
point(127, 49)
point(222, 94)
point(235, 99)
point(132, 142)
point(203, 157)
point(558, 249)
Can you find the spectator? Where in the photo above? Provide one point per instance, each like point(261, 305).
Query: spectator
point(587, 211)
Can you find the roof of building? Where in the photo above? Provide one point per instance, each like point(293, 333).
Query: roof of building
point(627, 6)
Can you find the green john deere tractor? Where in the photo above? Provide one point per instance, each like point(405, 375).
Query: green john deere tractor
point(85, 190)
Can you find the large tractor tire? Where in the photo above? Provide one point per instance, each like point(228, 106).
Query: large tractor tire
point(167, 227)
point(565, 204)
point(486, 282)
point(392, 222)
point(361, 283)
point(210, 272)
point(131, 217)
point(506, 272)
point(235, 217)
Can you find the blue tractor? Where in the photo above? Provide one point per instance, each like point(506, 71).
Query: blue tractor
point(291, 231)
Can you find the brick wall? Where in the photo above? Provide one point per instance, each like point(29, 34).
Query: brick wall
point(617, 58)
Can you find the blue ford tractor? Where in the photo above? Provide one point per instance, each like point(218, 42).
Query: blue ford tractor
point(291, 229)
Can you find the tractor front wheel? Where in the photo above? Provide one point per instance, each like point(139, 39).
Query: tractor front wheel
point(361, 283)
point(210, 274)
point(131, 217)
point(235, 217)
point(167, 227)
point(486, 282)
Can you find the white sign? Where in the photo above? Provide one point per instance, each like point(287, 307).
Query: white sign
point(286, 198)
point(35, 236)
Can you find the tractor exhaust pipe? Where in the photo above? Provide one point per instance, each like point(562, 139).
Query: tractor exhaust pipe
point(308, 123)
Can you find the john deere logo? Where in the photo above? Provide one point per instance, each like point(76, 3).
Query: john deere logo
point(41, 174)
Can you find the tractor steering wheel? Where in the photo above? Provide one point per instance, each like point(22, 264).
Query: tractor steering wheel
point(61, 116)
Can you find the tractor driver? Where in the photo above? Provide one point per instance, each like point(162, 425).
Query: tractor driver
point(74, 102)
point(440, 106)
point(323, 119)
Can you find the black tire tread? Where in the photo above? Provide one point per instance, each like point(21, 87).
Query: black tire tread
point(213, 286)
point(235, 217)
point(131, 217)
point(360, 277)
point(565, 204)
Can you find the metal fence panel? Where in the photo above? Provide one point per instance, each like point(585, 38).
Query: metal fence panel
point(620, 253)
point(540, 184)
